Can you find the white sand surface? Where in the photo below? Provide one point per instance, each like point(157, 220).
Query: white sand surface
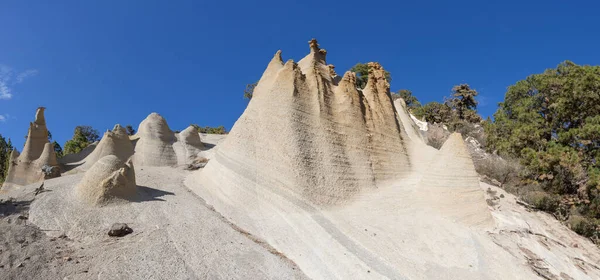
point(176, 235)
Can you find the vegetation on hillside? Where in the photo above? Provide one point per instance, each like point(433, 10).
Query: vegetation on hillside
point(406, 95)
point(130, 130)
point(210, 130)
point(455, 111)
point(249, 91)
point(551, 122)
point(6, 148)
point(362, 74)
point(82, 137)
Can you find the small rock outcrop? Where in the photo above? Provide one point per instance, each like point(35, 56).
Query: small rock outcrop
point(110, 179)
point(38, 152)
point(50, 171)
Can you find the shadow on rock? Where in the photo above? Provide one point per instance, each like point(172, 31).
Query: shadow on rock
point(208, 146)
point(12, 206)
point(150, 194)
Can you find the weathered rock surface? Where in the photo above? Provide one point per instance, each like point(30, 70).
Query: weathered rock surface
point(188, 145)
point(114, 142)
point(110, 179)
point(26, 168)
point(154, 146)
point(320, 137)
point(314, 162)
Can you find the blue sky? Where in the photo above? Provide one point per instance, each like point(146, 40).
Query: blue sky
point(100, 63)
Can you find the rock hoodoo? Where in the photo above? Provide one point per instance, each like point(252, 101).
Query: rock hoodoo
point(154, 146)
point(26, 168)
point(188, 145)
point(315, 160)
point(157, 145)
point(110, 179)
point(114, 142)
point(452, 186)
point(319, 137)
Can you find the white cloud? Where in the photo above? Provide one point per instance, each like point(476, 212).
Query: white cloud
point(5, 92)
point(25, 74)
point(9, 79)
point(3, 118)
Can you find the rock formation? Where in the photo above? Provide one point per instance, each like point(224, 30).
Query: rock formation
point(154, 146)
point(452, 188)
point(26, 168)
point(73, 159)
point(115, 142)
point(188, 145)
point(322, 139)
point(315, 161)
point(157, 145)
point(110, 179)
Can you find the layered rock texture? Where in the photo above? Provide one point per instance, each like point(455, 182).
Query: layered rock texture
point(157, 145)
point(455, 183)
point(188, 145)
point(26, 168)
point(110, 179)
point(154, 146)
point(314, 134)
point(115, 142)
point(314, 162)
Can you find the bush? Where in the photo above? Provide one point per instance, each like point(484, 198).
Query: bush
point(495, 167)
point(82, 137)
point(584, 226)
point(435, 112)
point(542, 200)
point(210, 130)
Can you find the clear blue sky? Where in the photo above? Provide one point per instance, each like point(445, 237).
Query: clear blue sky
point(104, 62)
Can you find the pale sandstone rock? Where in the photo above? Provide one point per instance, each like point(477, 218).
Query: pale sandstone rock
point(314, 162)
point(26, 168)
point(114, 142)
point(154, 146)
point(110, 179)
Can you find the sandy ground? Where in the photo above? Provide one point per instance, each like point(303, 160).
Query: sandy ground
point(176, 236)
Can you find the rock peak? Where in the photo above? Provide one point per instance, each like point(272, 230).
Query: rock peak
point(332, 70)
point(314, 45)
point(39, 116)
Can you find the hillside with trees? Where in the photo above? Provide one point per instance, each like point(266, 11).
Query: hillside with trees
point(83, 136)
point(551, 123)
point(542, 144)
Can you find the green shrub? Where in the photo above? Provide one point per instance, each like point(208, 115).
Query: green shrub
point(584, 226)
point(82, 137)
point(542, 200)
point(210, 130)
